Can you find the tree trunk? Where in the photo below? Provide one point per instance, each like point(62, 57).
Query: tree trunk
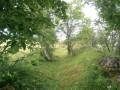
point(118, 46)
point(47, 53)
point(107, 46)
point(112, 43)
point(70, 49)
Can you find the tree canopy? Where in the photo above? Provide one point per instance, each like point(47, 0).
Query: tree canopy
point(109, 10)
point(21, 19)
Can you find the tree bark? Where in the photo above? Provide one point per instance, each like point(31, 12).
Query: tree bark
point(47, 53)
point(70, 49)
point(107, 46)
point(118, 46)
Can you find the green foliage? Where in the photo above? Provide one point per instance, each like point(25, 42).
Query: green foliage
point(72, 25)
point(20, 20)
point(109, 11)
point(8, 78)
point(6, 75)
point(30, 72)
point(35, 74)
point(86, 36)
point(108, 39)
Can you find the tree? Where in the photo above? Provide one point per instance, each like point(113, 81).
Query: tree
point(71, 26)
point(107, 38)
point(109, 11)
point(47, 42)
point(21, 19)
point(86, 36)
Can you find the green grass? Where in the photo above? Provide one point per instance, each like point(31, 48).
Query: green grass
point(64, 73)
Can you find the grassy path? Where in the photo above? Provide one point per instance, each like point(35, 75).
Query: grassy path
point(64, 73)
point(72, 69)
point(71, 73)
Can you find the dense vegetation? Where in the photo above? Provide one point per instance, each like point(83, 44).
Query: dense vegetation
point(33, 58)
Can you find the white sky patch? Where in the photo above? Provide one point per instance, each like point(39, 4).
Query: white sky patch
point(61, 36)
point(90, 12)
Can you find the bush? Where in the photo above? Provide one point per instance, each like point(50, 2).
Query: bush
point(6, 75)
